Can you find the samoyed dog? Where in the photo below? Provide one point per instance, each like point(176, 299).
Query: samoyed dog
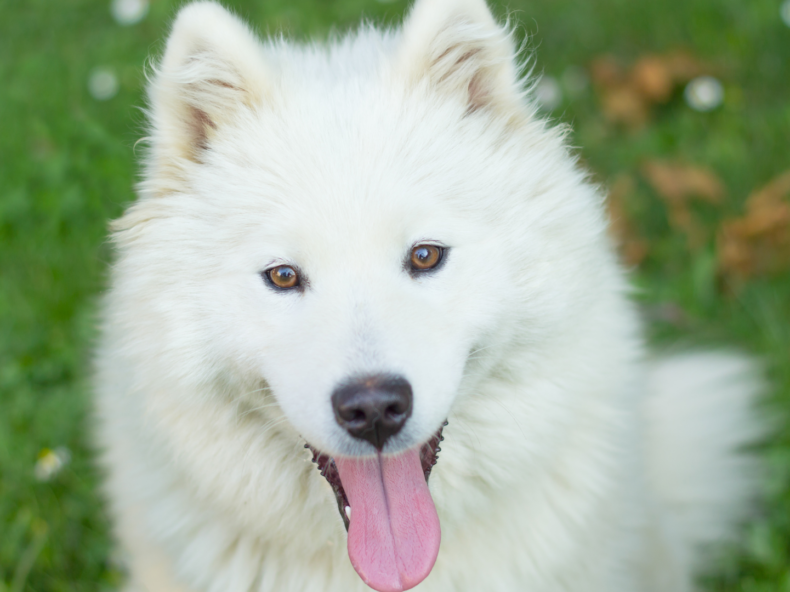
point(345, 255)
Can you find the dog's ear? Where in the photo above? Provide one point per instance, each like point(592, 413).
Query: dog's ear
point(213, 68)
point(458, 48)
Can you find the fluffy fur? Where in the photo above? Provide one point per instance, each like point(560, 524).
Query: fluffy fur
point(572, 461)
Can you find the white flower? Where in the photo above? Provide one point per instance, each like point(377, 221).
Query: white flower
point(784, 11)
point(51, 462)
point(548, 93)
point(102, 84)
point(129, 12)
point(704, 93)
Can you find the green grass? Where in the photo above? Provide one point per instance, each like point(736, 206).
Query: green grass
point(67, 165)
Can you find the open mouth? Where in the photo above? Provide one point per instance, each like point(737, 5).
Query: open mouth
point(385, 505)
point(429, 455)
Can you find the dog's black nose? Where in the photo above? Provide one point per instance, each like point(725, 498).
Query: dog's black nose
point(373, 408)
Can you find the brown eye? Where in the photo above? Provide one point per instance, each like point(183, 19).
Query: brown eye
point(283, 277)
point(425, 257)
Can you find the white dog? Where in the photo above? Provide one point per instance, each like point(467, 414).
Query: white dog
point(335, 251)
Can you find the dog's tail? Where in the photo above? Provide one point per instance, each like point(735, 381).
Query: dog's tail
point(701, 415)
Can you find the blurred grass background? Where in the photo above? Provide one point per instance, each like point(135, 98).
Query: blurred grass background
point(67, 165)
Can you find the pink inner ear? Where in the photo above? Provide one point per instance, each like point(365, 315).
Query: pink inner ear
point(198, 124)
point(478, 94)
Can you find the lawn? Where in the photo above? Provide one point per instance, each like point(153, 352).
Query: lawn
point(712, 265)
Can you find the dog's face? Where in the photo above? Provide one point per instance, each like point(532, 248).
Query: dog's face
point(358, 238)
point(335, 276)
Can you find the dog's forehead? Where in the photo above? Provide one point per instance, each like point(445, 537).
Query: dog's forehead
point(332, 165)
point(356, 223)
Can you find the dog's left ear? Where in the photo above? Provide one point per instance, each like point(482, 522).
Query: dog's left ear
point(458, 48)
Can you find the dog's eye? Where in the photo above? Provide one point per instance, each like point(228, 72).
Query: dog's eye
point(425, 257)
point(282, 277)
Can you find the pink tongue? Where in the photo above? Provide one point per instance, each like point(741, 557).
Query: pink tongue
point(394, 535)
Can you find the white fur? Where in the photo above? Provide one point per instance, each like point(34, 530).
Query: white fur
point(570, 461)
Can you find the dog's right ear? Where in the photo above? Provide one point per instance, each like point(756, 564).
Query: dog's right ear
point(213, 68)
point(458, 49)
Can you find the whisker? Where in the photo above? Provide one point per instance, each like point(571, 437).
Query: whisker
point(265, 389)
point(479, 349)
point(268, 427)
point(258, 408)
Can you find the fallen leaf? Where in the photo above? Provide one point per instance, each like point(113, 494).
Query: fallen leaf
point(677, 184)
point(624, 105)
point(758, 242)
point(621, 102)
point(652, 79)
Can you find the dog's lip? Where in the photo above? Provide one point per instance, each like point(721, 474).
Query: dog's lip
point(429, 455)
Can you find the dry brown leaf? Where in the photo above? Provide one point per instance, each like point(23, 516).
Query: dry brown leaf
point(653, 79)
point(759, 241)
point(624, 105)
point(632, 248)
point(677, 184)
point(768, 212)
point(621, 102)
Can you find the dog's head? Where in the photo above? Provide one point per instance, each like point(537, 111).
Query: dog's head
point(363, 234)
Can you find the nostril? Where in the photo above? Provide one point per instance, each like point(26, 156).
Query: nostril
point(393, 411)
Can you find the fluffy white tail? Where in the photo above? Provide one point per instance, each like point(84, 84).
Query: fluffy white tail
point(700, 416)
